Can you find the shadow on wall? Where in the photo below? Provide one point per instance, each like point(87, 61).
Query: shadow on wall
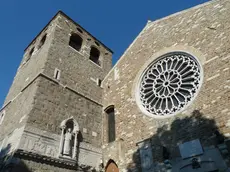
point(8, 164)
point(165, 143)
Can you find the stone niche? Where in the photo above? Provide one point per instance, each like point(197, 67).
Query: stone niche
point(69, 142)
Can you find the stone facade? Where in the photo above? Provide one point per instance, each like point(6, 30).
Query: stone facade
point(201, 31)
point(56, 84)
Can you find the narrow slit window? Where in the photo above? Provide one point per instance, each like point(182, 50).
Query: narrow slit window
point(57, 74)
point(94, 55)
point(99, 81)
point(2, 115)
point(111, 124)
point(75, 42)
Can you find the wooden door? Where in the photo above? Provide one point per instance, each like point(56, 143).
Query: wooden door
point(112, 167)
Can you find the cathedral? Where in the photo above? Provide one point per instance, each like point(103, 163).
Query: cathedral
point(164, 106)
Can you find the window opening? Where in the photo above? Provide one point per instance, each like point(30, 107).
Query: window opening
point(97, 43)
point(57, 73)
point(169, 84)
point(2, 115)
point(42, 42)
point(30, 54)
point(94, 55)
point(79, 30)
point(111, 124)
point(99, 81)
point(75, 42)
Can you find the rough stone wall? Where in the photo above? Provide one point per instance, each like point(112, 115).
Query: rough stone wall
point(47, 144)
point(76, 93)
point(41, 102)
point(17, 111)
point(32, 65)
point(33, 166)
point(203, 31)
point(77, 70)
point(55, 103)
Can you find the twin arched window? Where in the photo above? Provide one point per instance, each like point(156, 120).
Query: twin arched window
point(76, 43)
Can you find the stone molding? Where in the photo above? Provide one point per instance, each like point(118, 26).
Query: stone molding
point(47, 144)
point(56, 82)
point(68, 163)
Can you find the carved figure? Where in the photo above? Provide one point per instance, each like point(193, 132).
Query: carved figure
point(67, 142)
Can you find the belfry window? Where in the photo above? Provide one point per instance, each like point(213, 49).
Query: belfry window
point(94, 55)
point(75, 42)
point(29, 55)
point(111, 124)
point(42, 42)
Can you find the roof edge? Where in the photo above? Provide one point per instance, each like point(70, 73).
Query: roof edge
point(65, 15)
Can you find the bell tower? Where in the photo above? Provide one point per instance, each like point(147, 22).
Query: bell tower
point(52, 113)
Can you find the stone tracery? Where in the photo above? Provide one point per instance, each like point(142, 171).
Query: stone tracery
point(169, 84)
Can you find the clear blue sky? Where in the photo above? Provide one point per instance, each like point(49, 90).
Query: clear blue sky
point(115, 22)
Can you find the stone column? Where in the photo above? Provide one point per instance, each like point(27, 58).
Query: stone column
point(61, 142)
point(75, 146)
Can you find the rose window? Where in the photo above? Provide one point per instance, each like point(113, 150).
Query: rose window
point(169, 84)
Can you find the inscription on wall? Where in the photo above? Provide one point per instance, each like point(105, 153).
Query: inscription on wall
point(190, 149)
point(39, 146)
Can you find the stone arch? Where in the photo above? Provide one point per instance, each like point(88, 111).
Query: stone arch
point(69, 138)
point(76, 41)
point(108, 107)
point(42, 41)
point(75, 124)
point(111, 123)
point(95, 55)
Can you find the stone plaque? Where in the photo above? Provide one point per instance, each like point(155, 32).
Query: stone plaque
point(190, 149)
point(146, 156)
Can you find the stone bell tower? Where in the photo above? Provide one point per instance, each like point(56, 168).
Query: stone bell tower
point(51, 118)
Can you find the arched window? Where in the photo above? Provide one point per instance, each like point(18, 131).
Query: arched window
point(111, 124)
point(31, 52)
point(75, 42)
point(42, 42)
point(94, 55)
point(29, 55)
